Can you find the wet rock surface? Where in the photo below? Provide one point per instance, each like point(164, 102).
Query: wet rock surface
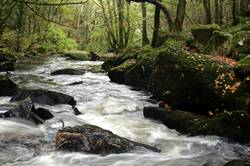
point(179, 120)
point(7, 87)
point(26, 110)
point(44, 97)
point(68, 71)
point(93, 139)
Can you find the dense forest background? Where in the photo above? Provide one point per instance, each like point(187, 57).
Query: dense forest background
point(101, 25)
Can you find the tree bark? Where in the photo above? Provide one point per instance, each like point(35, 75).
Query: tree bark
point(145, 40)
point(207, 8)
point(120, 6)
point(156, 26)
point(181, 10)
point(234, 12)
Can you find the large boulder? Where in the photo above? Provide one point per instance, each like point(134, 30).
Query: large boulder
point(7, 87)
point(129, 53)
point(117, 74)
point(184, 80)
point(26, 110)
point(93, 139)
point(6, 57)
point(44, 97)
point(179, 120)
point(77, 55)
point(139, 74)
point(242, 69)
point(203, 33)
point(68, 71)
point(233, 125)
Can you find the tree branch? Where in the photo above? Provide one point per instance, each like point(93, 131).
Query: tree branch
point(51, 4)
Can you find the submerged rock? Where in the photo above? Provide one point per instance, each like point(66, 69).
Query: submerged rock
point(7, 87)
point(6, 66)
point(238, 163)
point(44, 97)
point(75, 83)
point(68, 71)
point(93, 139)
point(43, 113)
point(179, 120)
point(26, 110)
point(233, 125)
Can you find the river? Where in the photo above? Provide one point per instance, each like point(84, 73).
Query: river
point(111, 106)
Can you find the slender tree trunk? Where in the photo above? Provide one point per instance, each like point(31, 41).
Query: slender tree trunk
point(156, 26)
point(221, 12)
point(207, 8)
point(145, 40)
point(120, 6)
point(181, 10)
point(234, 12)
point(216, 11)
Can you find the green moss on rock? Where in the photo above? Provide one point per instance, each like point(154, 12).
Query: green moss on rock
point(77, 55)
point(203, 33)
point(117, 74)
point(240, 44)
point(238, 163)
point(242, 69)
point(186, 80)
point(232, 125)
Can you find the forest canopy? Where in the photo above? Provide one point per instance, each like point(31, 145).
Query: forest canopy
point(101, 25)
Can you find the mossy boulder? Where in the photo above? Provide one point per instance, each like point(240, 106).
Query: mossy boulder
point(238, 163)
point(7, 87)
point(77, 55)
point(117, 74)
point(139, 74)
point(219, 43)
point(129, 53)
point(233, 125)
point(240, 44)
point(203, 33)
point(242, 69)
point(179, 120)
point(185, 80)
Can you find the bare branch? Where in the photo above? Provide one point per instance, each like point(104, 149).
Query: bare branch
point(51, 4)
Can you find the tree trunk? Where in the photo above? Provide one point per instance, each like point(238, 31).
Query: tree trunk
point(156, 26)
point(120, 6)
point(216, 11)
point(181, 10)
point(145, 40)
point(207, 8)
point(220, 12)
point(234, 12)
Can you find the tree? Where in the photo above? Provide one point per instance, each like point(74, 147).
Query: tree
point(206, 4)
point(145, 39)
point(156, 30)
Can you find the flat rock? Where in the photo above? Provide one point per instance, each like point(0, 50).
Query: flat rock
point(68, 71)
point(93, 139)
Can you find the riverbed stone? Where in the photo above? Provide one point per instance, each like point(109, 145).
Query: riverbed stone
point(26, 110)
point(44, 97)
point(7, 87)
point(179, 120)
point(6, 66)
point(68, 71)
point(232, 125)
point(93, 139)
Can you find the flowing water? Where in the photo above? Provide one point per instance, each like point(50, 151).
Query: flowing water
point(111, 106)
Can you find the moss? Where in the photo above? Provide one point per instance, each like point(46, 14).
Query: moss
point(117, 74)
point(185, 79)
point(240, 44)
point(77, 55)
point(232, 125)
point(203, 33)
point(128, 53)
point(139, 74)
point(219, 43)
point(242, 69)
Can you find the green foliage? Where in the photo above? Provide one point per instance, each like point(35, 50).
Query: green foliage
point(56, 39)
